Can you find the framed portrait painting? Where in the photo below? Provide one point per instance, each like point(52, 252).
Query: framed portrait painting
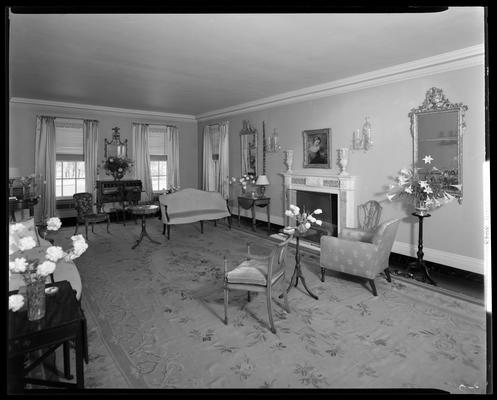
point(317, 148)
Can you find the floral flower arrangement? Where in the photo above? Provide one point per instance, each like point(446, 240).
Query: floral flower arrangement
point(35, 270)
point(171, 189)
point(304, 219)
point(424, 188)
point(243, 181)
point(117, 166)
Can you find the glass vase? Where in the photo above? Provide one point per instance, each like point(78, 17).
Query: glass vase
point(35, 293)
point(301, 228)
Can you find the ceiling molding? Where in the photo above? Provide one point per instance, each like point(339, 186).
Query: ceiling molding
point(114, 110)
point(451, 61)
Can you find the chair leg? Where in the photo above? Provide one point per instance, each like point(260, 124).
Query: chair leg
point(226, 306)
point(269, 310)
point(86, 230)
point(108, 222)
point(168, 230)
point(285, 297)
point(215, 222)
point(77, 226)
point(163, 229)
point(387, 274)
point(93, 227)
point(371, 282)
point(322, 274)
point(201, 226)
point(248, 296)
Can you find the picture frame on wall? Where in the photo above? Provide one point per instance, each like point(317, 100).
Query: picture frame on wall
point(317, 148)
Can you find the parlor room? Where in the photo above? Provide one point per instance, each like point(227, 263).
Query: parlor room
point(242, 200)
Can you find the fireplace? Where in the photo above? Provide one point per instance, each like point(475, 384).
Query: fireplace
point(328, 202)
point(333, 193)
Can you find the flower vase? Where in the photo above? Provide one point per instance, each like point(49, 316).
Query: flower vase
point(343, 160)
point(421, 208)
point(35, 293)
point(289, 160)
point(301, 228)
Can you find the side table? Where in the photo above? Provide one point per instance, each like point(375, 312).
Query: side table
point(64, 321)
point(420, 263)
point(144, 210)
point(297, 272)
point(250, 203)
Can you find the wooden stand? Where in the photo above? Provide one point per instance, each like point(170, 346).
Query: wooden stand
point(420, 263)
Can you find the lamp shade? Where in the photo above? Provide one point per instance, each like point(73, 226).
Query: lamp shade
point(14, 172)
point(262, 180)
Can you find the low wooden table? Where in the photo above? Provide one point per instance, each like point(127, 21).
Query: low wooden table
point(144, 210)
point(250, 203)
point(63, 321)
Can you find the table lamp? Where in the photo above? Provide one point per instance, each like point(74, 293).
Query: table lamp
point(262, 181)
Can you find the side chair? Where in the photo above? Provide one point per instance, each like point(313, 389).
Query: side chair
point(365, 256)
point(258, 274)
point(83, 203)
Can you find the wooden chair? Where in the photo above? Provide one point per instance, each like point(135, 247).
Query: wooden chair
point(258, 274)
point(369, 215)
point(83, 203)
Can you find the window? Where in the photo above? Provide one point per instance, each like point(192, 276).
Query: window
point(69, 158)
point(157, 148)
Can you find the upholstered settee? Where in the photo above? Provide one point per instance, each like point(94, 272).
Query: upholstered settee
point(65, 270)
point(192, 205)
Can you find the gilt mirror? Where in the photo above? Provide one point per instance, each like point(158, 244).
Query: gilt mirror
point(116, 147)
point(437, 130)
point(248, 143)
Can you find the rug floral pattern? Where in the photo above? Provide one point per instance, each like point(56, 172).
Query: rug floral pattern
point(158, 310)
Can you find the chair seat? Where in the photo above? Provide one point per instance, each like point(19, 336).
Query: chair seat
point(96, 217)
point(251, 272)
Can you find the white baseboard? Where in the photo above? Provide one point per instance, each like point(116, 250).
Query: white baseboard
point(453, 260)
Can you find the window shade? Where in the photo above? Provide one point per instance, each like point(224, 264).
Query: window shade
point(69, 137)
point(157, 141)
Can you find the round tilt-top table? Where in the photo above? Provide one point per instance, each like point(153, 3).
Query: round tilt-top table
point(144, 210)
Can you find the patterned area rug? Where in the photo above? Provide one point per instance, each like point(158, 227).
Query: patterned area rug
point(155, 317)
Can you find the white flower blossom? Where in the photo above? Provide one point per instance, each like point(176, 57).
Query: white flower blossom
point(54, 253)
point(318, 211)
point(45, 268)
point(18, 228)
point(18, 265)
point(307, 225)
point(408, 189)
point(16, 301)
point(319, 222)
point(311, 218)
point(288, 213)
point(26, 243)
point(54, 224)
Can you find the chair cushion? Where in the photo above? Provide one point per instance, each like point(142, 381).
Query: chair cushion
point(251, 272)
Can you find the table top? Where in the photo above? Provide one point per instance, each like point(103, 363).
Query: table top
point(144, 209)
point(298, 234)
point(62, 309)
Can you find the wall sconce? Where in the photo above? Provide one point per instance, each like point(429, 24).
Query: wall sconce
point(272, 145)
point(363, 140)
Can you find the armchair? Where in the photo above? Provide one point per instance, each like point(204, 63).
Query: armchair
point(258, 274)
point(363, 254)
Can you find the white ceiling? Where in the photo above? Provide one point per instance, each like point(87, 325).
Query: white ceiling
point(195, 63)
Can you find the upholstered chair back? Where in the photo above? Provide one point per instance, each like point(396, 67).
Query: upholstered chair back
point(83, 203)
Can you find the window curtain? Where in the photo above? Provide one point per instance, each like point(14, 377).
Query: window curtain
point(215, 174)
point(141, 159)
point(208, 171)
point(224, 163)
point(90, 146)
point(45, 167)
point(172, 134)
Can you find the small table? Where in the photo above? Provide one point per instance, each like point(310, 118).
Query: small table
point(21, 204)
point(420, 263)
point(144, 210)
point(297, 272)
point(63, 321)
point(250, 203)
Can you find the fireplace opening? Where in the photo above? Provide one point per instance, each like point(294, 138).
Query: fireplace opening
point(328, 202)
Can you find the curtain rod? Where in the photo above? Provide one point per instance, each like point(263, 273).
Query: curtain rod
point(79, 119)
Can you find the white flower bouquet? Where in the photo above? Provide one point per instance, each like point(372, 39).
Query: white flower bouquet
point(303, 220)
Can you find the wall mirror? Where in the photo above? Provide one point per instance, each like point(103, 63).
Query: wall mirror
point(437, 129)
point(116, 147)
point(248, 142)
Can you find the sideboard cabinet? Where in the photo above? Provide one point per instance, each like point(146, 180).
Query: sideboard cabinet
point(118, 192)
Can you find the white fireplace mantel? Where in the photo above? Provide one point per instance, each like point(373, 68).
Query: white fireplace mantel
point(320, 180)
